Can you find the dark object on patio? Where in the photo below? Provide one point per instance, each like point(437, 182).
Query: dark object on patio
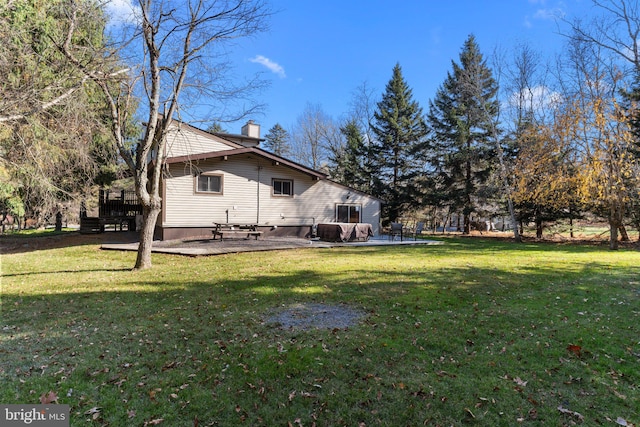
point(230, 230)
point(418, 230)
point(396, 230)
point(345, 232)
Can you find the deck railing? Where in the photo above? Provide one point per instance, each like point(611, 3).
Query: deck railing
point(118, 204)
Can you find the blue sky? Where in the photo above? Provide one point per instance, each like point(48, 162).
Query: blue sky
point(319, 52)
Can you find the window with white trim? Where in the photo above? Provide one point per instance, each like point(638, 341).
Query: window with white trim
point(282, 187)
point(209, 183)
point(348, 213)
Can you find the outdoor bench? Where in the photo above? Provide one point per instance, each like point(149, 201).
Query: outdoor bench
point(229, 230)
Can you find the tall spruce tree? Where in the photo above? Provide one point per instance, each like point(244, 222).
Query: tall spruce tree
point(400, 131)
point(277, 141)
point(349, 161)
point(462, 119)
point(632, 105)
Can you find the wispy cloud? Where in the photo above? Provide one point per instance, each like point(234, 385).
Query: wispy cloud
point(274, 67)
point(537, 98)
point(122, 12)
point(549, 14)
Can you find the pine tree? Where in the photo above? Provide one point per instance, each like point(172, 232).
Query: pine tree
point(400, 131)
point(461, 118)
point(216, 127)
point(277, 141)
point(349, 160)
point(631, 99)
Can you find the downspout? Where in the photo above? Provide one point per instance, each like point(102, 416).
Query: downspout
point(258, 195)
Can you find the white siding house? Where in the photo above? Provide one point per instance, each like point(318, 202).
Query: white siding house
point(226, 178)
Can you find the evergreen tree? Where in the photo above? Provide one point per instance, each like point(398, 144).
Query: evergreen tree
point(349, 160)
point(277, 141)
point(400, 131)
point(216, 127)
point(461, 118)
point(54, 131)
point(631, 99)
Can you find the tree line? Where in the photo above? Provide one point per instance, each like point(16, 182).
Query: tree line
point(521, 138)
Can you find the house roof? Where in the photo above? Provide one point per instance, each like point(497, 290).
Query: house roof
point(239, 139)
point(247, 150)
point(216, 136)
point(238, 149)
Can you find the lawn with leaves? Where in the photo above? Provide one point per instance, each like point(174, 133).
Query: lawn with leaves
point(472, 332)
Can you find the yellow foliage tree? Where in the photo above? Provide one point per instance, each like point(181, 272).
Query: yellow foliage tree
point(544, 182)
point(606, 168)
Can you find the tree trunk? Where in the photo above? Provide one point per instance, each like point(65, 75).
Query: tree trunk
point(614, 223)
point(150, 216)
point(623, 233)
point(570, 226)
point(538, 228)
point(613, 235)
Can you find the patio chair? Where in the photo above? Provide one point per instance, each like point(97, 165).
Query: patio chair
point(418, 230)
point(396, 230)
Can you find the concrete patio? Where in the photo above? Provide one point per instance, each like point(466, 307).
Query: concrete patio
point(206, 246)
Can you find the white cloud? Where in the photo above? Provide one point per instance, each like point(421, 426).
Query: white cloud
point(122, 12)
point(274, 67)
point(536, 98)
point(549, 14)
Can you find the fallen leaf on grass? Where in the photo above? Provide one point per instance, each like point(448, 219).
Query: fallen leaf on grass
point(94, 412)
point(575, 349)
point(153, 422)
point(169, 365)
point(48, 398)
point(575, 414)
point(520, 382)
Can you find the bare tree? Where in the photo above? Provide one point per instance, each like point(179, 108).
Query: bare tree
point(173, 51)
point(616, 30)
point(313, 133)
point(362, 107)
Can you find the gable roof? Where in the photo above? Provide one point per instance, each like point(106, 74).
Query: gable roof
point(180, 125)
point(238, 149)
point(247, 150)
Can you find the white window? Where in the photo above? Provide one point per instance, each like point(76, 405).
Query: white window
point(348, 213)
point(209, 183)
point(282, 187)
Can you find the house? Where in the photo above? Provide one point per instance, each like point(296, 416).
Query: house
point(228, 178)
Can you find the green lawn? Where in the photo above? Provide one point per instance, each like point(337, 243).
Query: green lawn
point(472, 332)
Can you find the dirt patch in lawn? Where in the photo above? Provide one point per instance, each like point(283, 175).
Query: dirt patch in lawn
point(315, 316)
